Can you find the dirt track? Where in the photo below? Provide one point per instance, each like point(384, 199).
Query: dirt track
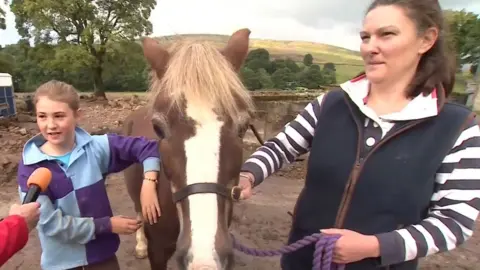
point(261, 222)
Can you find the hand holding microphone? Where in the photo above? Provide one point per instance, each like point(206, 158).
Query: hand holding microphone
point(30, 212)
point(30, 209)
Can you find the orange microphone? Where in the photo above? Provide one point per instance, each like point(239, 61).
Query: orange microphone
point(37, 183)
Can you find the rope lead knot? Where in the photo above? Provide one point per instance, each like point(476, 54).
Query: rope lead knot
point(322, 257)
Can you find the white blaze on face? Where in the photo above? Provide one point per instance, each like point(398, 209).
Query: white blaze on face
point(202, 153)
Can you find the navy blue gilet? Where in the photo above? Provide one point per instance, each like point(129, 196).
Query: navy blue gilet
point(384, 189)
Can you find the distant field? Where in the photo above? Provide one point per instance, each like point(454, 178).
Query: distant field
point(348, 62)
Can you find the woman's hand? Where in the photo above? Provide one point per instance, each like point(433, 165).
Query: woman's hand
point(30, 212)
point(149, 201)
point(246, 183)
point(353, 246)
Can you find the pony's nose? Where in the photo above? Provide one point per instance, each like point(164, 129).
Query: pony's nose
point(189, 262)
point(203, 267)
point(203, 264)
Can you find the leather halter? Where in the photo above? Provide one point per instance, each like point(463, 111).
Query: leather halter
point(232, 193)
point(215, 188)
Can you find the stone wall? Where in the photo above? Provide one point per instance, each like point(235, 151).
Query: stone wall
point(272, 116)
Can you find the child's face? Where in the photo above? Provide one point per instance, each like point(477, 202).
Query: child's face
point(56, 121)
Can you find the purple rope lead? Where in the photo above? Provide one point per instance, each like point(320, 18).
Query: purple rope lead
point(322, 257)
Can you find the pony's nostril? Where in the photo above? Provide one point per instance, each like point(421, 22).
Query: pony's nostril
point(188, 259)
point(183, 259)
point(204, 267)
point(203, 264)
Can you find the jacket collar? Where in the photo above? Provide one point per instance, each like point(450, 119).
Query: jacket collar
point(32, 153)
point(419, 107)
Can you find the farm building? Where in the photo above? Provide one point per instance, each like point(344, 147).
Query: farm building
point(7, 98)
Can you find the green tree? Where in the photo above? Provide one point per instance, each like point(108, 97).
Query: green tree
point(311, 78)
point(330, 66)
point(126, 68)
point(329, 76)
point(7, 64)
point(317, 67)
point(89, 24)
point(257, 59)
point(283, 78)
point(260, 53)
point(256, 64)
point(276, 64)
point(265, 79)
point(308, 60)
point(3, 13)
point(290, 64)
point(71, 63)
point(464, 35)
point(19, 53)
point(250, 79)
point(329, 73)
point(35, 65)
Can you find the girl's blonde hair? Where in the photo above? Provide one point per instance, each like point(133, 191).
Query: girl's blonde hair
point(58, 91)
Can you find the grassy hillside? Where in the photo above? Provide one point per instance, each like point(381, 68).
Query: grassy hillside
point(348, 62)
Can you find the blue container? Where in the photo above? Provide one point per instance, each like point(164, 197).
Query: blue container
point(7, 98)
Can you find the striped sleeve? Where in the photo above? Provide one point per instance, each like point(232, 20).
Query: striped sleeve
point(454, 207)
point(294, 140)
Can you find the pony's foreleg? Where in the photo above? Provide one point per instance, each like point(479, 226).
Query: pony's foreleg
point(141, 250)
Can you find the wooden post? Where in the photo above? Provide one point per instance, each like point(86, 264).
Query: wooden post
point(476, 96)
point(476, 77)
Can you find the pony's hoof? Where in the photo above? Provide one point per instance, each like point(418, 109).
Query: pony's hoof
point(141, 253)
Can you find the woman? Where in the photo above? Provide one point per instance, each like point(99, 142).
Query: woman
point(393, 168)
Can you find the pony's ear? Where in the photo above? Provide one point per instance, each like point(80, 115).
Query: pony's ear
point(157, 57)
point(237, 48)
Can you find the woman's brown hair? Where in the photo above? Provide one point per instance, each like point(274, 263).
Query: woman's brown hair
point(437, 66)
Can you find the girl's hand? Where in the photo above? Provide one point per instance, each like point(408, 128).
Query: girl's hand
point(149, 201)
point(353, 246)
point(124, 225)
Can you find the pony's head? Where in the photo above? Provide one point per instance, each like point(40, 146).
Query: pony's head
point(201, 109)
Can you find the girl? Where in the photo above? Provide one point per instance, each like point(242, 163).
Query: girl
point(76, 227)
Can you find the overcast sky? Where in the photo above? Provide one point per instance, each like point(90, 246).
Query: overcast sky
point(334, 22)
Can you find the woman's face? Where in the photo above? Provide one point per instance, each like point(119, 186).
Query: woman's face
point(391, 45)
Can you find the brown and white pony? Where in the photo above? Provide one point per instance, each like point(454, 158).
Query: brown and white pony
point(199, 111)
